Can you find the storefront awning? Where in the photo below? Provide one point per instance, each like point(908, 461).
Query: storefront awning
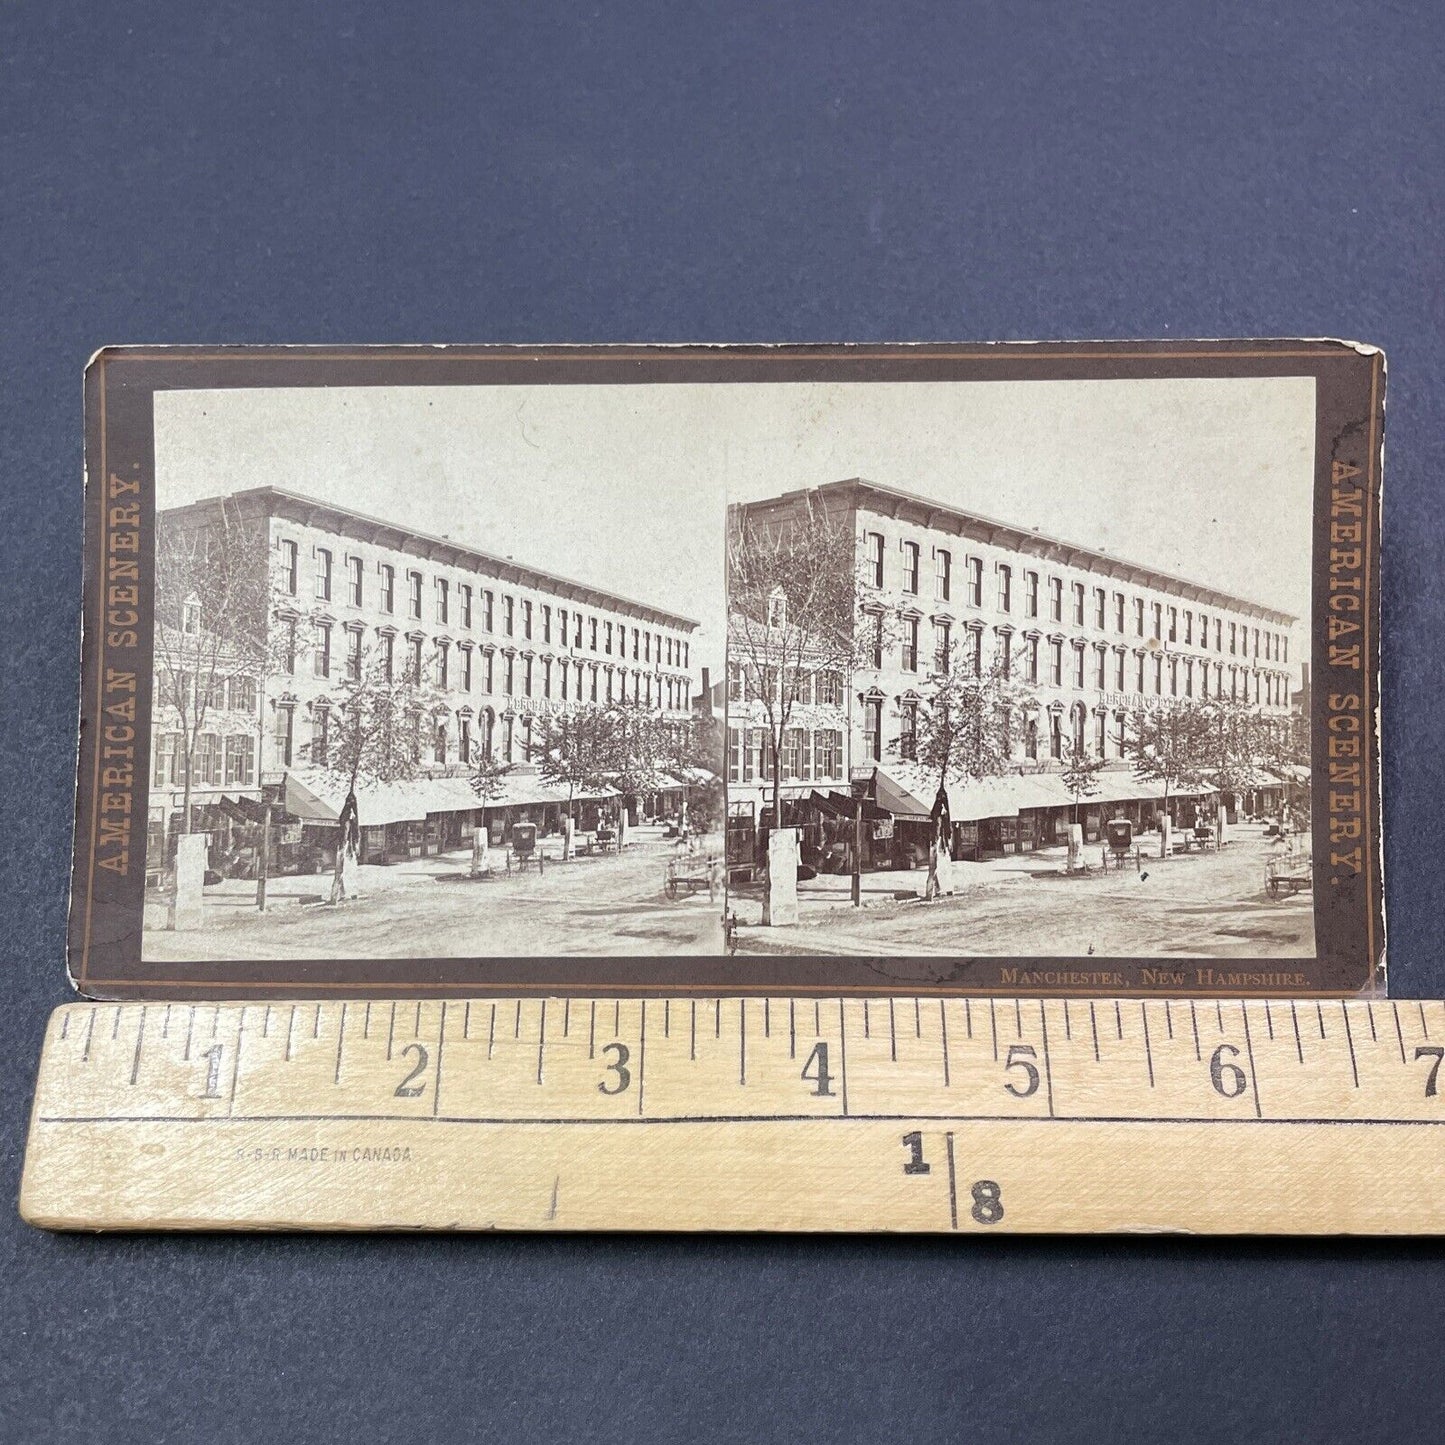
point(317, 798)
point(1005, 797)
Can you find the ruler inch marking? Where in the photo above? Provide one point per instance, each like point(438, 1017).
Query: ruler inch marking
point(642, 1057)
point(1399, 1034)
point(89, 1032)
point(1148, 1047)
point(1048, 1065)
point(1249, 1047)
point(943, 1028)
point(436, 1089)
point(742, 1041)
point(843, 1052)
point(236, 1063)
point(541, 1038)
point(1299, 1047)
point(1094, 1025)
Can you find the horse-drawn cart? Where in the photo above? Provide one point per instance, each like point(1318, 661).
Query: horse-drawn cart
point(1288, 873)
point(692, 874)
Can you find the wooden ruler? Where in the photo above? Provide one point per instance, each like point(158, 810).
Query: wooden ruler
point(921, 1114)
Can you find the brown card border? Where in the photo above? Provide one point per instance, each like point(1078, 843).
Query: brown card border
point(108, 878)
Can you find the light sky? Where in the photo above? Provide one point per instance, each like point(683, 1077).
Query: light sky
point(626, 487)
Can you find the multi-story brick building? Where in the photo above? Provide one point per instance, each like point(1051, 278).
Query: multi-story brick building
point(499, 644)
point(1093, 637)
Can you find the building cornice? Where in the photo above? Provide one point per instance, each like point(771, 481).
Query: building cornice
point(312, 512)
point(857, 493)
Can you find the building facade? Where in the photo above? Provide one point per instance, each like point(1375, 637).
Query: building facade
point(498, 644)
point(1093, 638)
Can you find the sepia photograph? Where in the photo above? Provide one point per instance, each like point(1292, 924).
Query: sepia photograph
point(1022, 668)
point(1001, 667)
point(432, 676)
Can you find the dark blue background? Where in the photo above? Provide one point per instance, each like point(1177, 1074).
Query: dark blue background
point(531, 172)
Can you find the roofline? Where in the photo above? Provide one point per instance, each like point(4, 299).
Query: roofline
point(577, 591)
point(1028, 539)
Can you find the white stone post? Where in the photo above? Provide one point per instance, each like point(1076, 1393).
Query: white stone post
point(1076, 847)
point(187, 905)
point(621, 828)
point(780, 902)
point(569, 827)
point(1220, 824)
point(481, 854)
point(1164, 831)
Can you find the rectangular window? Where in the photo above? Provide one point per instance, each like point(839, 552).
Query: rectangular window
point(872, 729)
point(1078, 591)
point(1033, 659)
point(1158, 674)
point(1005, 588)
point(1099, 603)
point(413, 667)
point(876, 627)
point(1233, 637)
point(353, 654)
point(388, 588)
point(1078, 667)
point(1003, 650)
point(240, 760)
point(443, 600)
point(323, 574)
point(465, 655)
point(910, 567)
point(1188, 628)
point(526, 619)
point(1031, 594)
point(320, 736)
point(284, 735)
point(388, 656)
point(289, 579)
point(1158, 611)
point(1139, 682)
point(908, 731)
point(489, 610)
point(874, 541)
point(942, 573)
point(792, 741)
point(466, 596)
point(975, 651)
point(942, 638)
point(1056, 735)
point(1174, 624)
point(975, 582)
point(288, 645)
point(322, 655)
point(443, 665)
point(607, 638)
point(1173, 677)
point(827, 753)
point(509, 615)
point(1056, 662)
point(353, 567)
point(592, 634)
point(413, 580)
point(910, 644)
point(1138, 617)
point(1203, 630)
point(1118, 612)
point(1100, 664)
point(1056, 599)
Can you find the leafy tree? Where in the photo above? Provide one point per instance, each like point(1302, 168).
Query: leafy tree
point(963, 733)
point(1080, 775)
point(1168, 744)
point(379, 736)
point(575, 750)
point(794, 593)
point(213, 602)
